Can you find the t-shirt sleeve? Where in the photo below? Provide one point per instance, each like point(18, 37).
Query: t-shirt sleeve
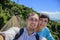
point(49, 35)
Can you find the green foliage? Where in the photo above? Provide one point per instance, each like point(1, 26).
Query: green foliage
point(9, 8)
point(55, 29)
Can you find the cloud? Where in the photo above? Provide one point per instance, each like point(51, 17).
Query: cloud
point(53, 15)
point(50, 12)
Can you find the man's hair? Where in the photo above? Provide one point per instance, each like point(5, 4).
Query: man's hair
point(30, 14)
point(44, 16)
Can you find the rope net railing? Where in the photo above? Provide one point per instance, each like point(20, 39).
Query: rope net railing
point(15, 21)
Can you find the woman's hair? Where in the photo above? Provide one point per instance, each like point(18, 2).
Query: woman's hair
point(44, 16)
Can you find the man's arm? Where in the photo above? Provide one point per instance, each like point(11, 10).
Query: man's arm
point(10, 33)
point(2, 37)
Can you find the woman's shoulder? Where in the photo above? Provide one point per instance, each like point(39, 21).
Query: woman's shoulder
point(46, 28)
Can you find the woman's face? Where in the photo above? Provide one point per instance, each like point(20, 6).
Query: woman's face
point(42, 22)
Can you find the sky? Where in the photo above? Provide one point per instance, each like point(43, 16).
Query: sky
point(51, 7)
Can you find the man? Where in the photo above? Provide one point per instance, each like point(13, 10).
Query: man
point(29, 33)
point(42, 30)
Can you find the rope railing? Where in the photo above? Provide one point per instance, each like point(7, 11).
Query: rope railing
point(5, 26)
point(13, 22)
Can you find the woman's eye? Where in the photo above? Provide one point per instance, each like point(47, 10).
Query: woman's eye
point(45, 21)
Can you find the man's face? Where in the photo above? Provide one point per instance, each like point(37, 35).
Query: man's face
point(42, 22)
point(32, 21)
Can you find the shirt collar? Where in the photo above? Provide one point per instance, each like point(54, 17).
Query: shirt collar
point(34, 33)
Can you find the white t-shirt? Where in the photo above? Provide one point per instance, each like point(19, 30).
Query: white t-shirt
point(25, 36)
